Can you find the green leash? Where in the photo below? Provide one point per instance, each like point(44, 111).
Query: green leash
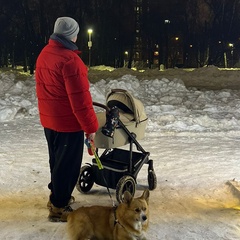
point(99, 163)
point(100, 167)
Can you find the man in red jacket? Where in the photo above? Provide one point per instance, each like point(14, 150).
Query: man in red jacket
point(66, 112)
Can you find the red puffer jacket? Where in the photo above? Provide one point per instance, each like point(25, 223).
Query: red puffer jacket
point(64, 99)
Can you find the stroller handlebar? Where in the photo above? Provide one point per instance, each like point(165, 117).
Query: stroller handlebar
point(101, 106)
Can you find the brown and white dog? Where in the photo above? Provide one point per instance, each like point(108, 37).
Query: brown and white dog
point(128, 221)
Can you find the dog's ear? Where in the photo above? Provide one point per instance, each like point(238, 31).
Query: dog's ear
point(146, 195)
point(127, 197)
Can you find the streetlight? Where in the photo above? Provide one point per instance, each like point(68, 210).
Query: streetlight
point(231, 45)
point(125, 58)
point(166, 23)
point(89, 45)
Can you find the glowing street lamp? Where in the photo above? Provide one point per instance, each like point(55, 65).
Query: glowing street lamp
point(125, 58)
point(166, 23)
point(89, 45)
point(231, 45)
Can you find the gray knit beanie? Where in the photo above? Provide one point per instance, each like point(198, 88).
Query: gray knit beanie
point(66, 27)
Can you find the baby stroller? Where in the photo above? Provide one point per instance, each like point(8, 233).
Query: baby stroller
point(123, 122)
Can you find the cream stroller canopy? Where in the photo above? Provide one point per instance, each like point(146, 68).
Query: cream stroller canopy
point(127, 104)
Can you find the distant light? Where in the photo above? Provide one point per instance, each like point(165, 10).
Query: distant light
point(176, 38)
point(156, 53)
point(89, 45)
point(126, 52)
point(190, 45)
point(219, 42)
point(230, 44)
point(166, 21)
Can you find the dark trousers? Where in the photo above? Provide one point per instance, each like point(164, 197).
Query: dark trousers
point(65, 159)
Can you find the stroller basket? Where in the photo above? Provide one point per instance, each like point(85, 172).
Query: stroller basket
point(115, 165)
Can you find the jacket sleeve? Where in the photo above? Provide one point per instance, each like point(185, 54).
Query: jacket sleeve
point(77, 87)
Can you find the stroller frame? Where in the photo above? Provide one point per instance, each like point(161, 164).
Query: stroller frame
point(120, 167)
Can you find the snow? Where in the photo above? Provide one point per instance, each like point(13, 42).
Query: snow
point(193, 136)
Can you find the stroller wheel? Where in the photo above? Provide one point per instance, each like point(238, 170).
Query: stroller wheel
point(152, 180)
point(125, 183)
point(85, 180)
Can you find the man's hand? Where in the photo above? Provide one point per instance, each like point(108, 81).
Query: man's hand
point(90, 136)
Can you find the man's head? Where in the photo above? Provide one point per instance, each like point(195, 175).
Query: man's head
point(67, 27)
